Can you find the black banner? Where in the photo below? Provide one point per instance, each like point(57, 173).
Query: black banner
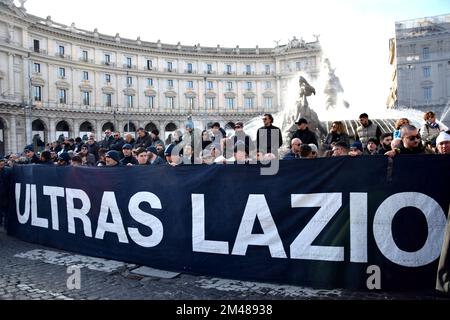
point(357, 223)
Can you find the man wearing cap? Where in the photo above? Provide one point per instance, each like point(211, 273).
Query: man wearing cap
point(241, 136)
point(372, 147)
point(153, 157)
point(128, 158)
point(356, 149)
point(112, 158)
point(63, 159)
point(5, 182)
point(303, 133)
point(31, 156)
point(443, 143)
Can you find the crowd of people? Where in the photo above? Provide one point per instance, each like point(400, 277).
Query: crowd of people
point(214, 146)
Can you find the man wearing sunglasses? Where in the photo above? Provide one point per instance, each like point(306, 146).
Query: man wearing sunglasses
point(412, 143)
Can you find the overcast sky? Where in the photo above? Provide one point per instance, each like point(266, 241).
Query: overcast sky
point(354, 33)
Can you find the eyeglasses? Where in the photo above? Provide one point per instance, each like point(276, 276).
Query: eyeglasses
point(413, 138)
point(238, 127)
point(116, 136)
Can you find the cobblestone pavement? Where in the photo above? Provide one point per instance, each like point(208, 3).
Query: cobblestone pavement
point(32, 272)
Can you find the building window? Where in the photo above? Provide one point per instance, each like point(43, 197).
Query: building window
point(170, 84)
point(190, 103)
point(190, 84)
point(229, 85)
point(36, 46)
point(149, 65)
point(210, 85)
point(86, 97)
point(62, 73)
point(426, 53)
point(267, 68)
point(229, 70)
point(248, 69)
point(268, 102)
point(268, 85)
point(62, 96)
point(169, 66)
point(151, 102)
point(210, 103)
point(108, 78)
point(37, 93)
point(129, 101)
point(427, 72)
point(85, 76)
point(107, 59)
point(107, 99)
point(61, 51)
point(248, 102)
point(85, 56)
point(209, 68)
point(129, 81)
point(427, 93)
point(230, 103)
point(37, 68)
point(249, 85)
point(189, 67)
point(129, 61)
point(149, 82)
point(170, 102)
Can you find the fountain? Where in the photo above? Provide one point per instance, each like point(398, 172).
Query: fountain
point(329, 105)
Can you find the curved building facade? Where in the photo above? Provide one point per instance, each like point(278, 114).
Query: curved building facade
point(60, 80)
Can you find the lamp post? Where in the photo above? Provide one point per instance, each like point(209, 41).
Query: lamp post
point(411, 84)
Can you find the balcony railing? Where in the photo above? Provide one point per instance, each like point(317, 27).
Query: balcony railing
point(248, 73)
point(170, 70)
point(129, 66)
point(41, 51)
point(108, 63)
point(190, 71)
point(86, 60)
point(63, 56)
point(229, 73)
point(210, 72)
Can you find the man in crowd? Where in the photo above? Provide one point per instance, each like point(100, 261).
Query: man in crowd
point(241, 136)
point(144, 139)
point(386, 142)
point(367, 130)
point(108, 140)
point(294, 153)
point(340, 149)
point(411, 143)
point(372, 147)
point(142, 157)
point(46, 158)
point(268, 133)
point(112, 158)
point(356, 149)
point(153, 158)
point(5, 183)
point(88, 159)
point(155, 138)
point(128, 158)
point(117, 142)
point(93, 148)
point(129, 139)
point(443, 143)
point(31, 156)
point(63, 159)
point(303, 133)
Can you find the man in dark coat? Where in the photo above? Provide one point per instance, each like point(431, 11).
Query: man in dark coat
point(144, 139)
point(31, 156)
point(265, 134)
point(304, 134)
point(5, 185)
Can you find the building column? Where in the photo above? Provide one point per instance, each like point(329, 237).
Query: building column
point(11, 74)
point(99, 132)
point(51, 130)
point(12, 136)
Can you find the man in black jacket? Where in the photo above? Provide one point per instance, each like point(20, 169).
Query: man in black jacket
point(303, 133)
point(265, 136)
point(144, 139)
point(31, 156)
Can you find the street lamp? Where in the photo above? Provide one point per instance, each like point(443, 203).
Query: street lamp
point(411, 84)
